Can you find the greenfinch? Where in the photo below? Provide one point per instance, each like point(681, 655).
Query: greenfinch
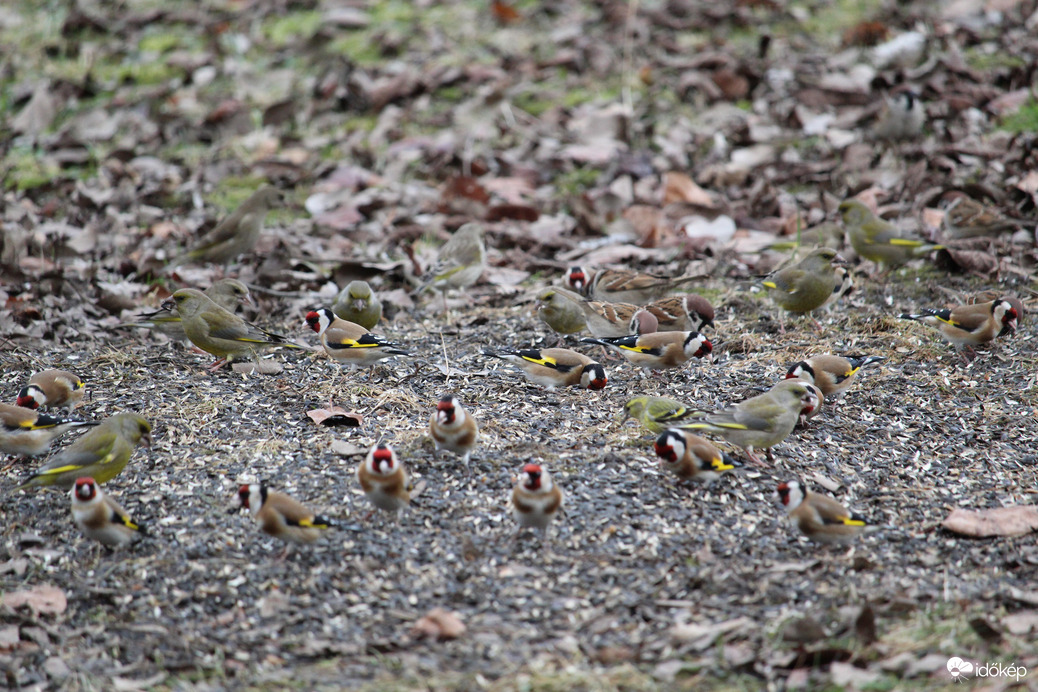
point(227, 293)
point(562, 315)
point(237, 233)
point(762, 421)
point(622, 285)
point(966, 326)
point(879, 240)
point(819, 517)
point(99, 517)
point(655, 413)
point(52, 389)
point(100, 454)
point(357, 303)
point(30, 433)
point(805, 286)
point(218, 331)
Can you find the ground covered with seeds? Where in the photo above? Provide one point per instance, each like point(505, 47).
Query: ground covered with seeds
point(675, 137)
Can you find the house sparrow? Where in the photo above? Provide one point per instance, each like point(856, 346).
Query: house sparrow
point(99, 517)
point(687, 313)
point(762, 421)
point(236, 234)
point(349, 343)
point(622, 285)
point(610, 319)
point(819, 517)
point(52, 389)
point(968, 218)
point(101, 453)
point(659, 351)
point(556, 367)
point(690, 457)
point(281, 516)
point(30, 433)
point(453, 428)
point(357, 303)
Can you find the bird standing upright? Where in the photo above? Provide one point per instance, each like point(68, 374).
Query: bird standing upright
point(459, 263)
point(453, 428)
point(805, 286)
point(536, 500)
point(357, 303)
point(879, 240)
point(384, 480)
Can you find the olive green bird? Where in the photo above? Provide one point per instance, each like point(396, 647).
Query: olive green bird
point(562, 315)
point(656, 413)
point(879, 240)
point(357, 303)
point(459, 263)
point(227, 293)
point(236, 234)
point(218, 331)
point(101, 453)
point(806, 285)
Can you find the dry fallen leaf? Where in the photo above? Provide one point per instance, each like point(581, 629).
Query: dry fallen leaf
point(43, 599)
point(678, 187)
point(335, 415)
point(439, 624)
point(1002, 521)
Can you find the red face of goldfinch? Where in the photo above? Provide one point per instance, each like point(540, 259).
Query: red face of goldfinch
point(445, 410)
point(533, 477)
point(382, 455)
point(86, 489)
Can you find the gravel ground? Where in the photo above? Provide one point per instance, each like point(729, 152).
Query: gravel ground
point(644, 575)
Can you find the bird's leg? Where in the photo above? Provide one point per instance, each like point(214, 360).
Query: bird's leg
point(217, 365)
point(753, 457)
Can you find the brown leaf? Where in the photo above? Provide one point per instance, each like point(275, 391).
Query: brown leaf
point(504, 13)
point(518, 212)
point(973, 261)
point(467, 188)
point(43, 599)
point(1017, 520)
point(439, 624)
point(678, 187)
point(865, 626)
point(335, 415)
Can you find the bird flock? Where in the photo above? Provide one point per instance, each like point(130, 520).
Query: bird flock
point(633, 314)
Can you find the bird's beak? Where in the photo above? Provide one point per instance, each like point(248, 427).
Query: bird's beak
point(839, 260)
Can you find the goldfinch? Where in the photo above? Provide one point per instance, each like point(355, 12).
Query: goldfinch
point(658, 351)
point(453, 428)
point(101, 454)
point(655, 413)
point(556, 367)
point(99, 517)
point(831, 374)
point(218, 331)
point(52, 389)
point(357, 303)
point(762, 421)
point(688, 313)
point(819, 517)
point(536, 499)
point(966, 326)
point(805, 286)
point(622, 285)
point(843, 287)
point(281, 516)
point(237, 233)
point(384, 479)
point(879, 240)
point(610, 319)
point(690, 457)
point(349, 343)
point(29, 433)
point(813, 407)
point(227, 293)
